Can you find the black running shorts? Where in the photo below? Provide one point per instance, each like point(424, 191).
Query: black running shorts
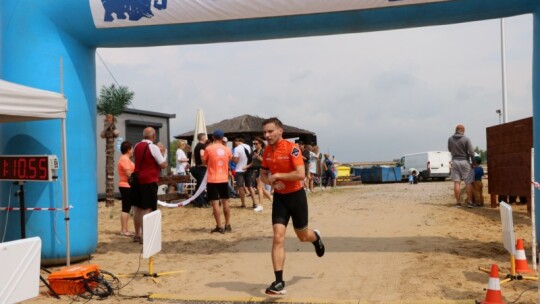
point(289, 205)
point(217, 191)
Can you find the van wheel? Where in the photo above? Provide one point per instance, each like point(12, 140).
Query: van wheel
point(421, 178)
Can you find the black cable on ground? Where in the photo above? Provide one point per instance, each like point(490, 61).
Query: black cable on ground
point(136, 272)
point(516, 300)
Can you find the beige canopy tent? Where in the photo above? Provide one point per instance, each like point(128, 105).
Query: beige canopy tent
point(21, 103)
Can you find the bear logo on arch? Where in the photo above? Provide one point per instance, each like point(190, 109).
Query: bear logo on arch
point(132, 9)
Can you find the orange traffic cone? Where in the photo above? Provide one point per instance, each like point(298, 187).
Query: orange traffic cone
point(494, 295)
point(521, 258)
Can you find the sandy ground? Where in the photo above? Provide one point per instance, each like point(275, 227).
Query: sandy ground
point(385, 243)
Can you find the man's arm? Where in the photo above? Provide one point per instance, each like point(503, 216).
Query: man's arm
point(298, 174)
point(160, 156)
point(470, 151)
point(204, 158)
point(202, 153)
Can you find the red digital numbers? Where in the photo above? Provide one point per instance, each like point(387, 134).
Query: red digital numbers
point(26, 168)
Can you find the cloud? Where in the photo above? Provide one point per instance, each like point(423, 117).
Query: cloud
point(368, 96)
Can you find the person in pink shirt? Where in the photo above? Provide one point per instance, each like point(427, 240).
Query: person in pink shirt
point(125, 168)
point(216, 157)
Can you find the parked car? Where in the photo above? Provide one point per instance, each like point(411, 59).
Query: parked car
point(431, 164)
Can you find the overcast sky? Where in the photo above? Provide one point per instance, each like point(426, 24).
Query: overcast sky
point(368, 96)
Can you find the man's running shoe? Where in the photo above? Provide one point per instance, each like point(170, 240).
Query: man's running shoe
point(319, 246)
point(218, 229)
point(259, 208)
point(228, 228)
point(276, 288)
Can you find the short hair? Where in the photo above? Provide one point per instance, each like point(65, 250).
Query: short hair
point(201, 135)
point(125, 146)
point(478, 159)
point(460, 129)
point(181, 144)
point(240, 139)
point(273, 120)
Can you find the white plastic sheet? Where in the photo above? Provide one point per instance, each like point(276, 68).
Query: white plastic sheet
point(19, 261)
point(151, 234)
point(509, 239)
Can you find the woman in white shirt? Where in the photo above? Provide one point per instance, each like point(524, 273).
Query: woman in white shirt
point(181, 164)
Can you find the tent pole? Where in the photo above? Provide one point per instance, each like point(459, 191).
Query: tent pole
point(65, 196)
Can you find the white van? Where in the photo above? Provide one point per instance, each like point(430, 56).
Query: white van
point(432, 164)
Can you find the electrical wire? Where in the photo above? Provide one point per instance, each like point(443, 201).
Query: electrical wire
point(135, 274)
point(516, 300)
point(105, 285)
point(141, 117)
point(107, 67)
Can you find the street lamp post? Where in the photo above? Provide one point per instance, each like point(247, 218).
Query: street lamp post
point(503, 72)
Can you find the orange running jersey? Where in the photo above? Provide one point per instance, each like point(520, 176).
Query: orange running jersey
point(283, 158)
point(217, 158)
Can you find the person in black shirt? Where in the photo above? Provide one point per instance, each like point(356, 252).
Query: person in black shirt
point(199, 170)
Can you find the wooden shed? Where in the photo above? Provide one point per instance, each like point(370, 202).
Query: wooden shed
point(509, 160)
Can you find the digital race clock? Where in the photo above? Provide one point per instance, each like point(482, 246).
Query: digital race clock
point(40, 168)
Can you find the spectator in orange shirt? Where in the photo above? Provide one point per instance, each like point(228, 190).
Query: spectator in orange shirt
point(216, 157)
point(125, 167)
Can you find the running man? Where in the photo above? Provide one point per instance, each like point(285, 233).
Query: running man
point(283, 160)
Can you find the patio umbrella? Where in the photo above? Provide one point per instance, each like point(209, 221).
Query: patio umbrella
point(200, 127)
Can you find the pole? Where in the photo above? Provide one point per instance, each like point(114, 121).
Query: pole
point(21, 204)
point(61, 75)
point(533, 223)
point(503, 72)
point(65, 194)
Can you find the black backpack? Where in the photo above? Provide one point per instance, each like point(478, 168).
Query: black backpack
point(249, 156)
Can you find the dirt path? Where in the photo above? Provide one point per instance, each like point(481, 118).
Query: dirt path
point(385, 243)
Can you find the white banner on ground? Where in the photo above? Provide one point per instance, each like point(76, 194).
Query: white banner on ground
point(509, 239)
point(151, 234)
point(189, 200)
point(122, 13)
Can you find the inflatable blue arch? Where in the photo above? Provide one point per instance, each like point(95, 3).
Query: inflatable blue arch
point(34, 35)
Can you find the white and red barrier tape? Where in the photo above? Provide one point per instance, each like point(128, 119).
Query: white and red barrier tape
point(35, 209)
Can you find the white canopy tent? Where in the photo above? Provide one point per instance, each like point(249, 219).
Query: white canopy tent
point(21, 103)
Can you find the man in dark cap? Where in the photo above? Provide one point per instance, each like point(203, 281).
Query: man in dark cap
point(216, 157)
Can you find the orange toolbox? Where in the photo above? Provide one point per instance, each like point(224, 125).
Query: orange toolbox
point(71, 280)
